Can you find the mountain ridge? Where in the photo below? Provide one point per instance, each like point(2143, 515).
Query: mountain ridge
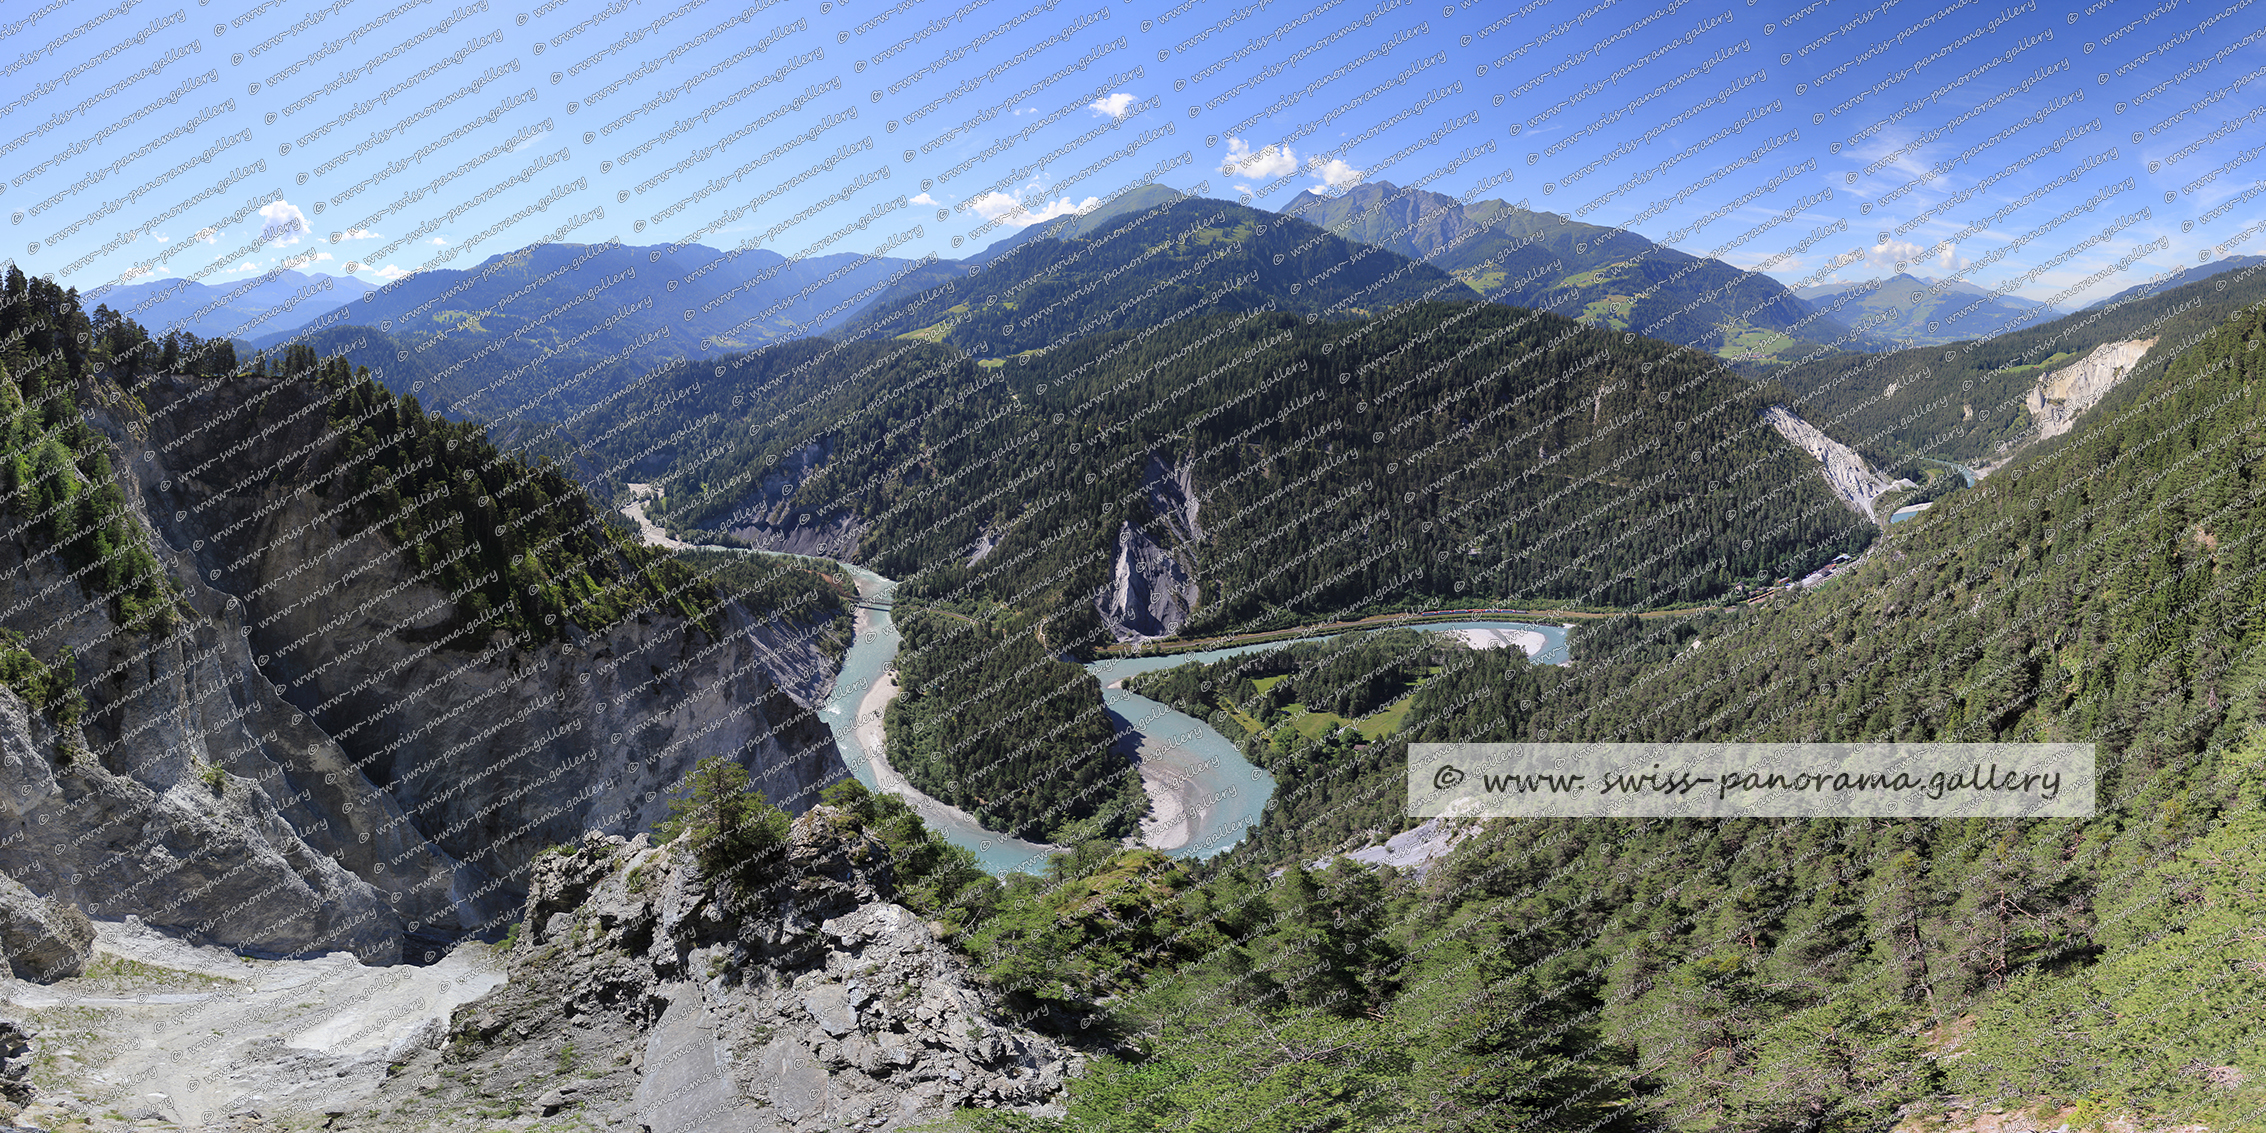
point(1615, 277)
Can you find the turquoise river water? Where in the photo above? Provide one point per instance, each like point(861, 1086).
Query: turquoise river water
point(1221, 793)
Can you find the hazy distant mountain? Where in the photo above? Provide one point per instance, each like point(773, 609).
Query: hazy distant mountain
point(246, 308)
point(493, 337)
point(1917, 316)
point(1541, 259)
point(2017, 302)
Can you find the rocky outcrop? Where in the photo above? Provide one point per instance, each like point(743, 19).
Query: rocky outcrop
point(1846, 473)
point(1150, 593)
point(2064, 395)
point(813, 1002)
point(15, 1064)
point(44, 940)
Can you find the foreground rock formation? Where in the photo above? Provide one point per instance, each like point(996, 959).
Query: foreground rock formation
point(640, 999)
point(44, 940)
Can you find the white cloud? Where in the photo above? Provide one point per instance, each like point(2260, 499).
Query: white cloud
point(1905, 255)
point(1337, 175)
point(922, 199)
point(1025, 110)
point(1065, 207)
point(1273, 161)
point(282, 223)
point(361, 234)
point(207, 236)
point(160, 237)
point(247, 265)
point(531, 141)
point(1114, 106)
point(391, 272)
point(995, 204)
point(1008, 210)
point(321, 256)
point(440, 240)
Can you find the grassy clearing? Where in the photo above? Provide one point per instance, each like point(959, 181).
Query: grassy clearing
point(1387, 720)
point(113, 971)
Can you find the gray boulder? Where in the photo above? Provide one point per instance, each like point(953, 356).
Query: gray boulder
point(44, 940)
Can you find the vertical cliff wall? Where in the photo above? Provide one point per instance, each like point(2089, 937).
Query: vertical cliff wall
point(327, 750)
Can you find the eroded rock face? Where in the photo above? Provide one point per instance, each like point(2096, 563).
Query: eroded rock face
point(1846, 473)
point(1152, 590)
point(1150, 593)
point(297, 768)
point(466, 759)
point(2065, 394)
point(1173, 496)
point(814, 1002)
point(121, 814)
point(767, 519)
point(834, 535)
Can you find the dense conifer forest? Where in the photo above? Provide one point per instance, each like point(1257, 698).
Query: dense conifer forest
point(533, 552)
point(1753, 974)
point(991, 722)
point(1452, 452)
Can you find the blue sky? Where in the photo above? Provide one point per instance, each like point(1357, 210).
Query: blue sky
point(1825, 141)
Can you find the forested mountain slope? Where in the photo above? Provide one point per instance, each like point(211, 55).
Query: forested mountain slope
point(1622, 975)
point(1290, 468)
point(1757, 974)
point(1138, 269)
